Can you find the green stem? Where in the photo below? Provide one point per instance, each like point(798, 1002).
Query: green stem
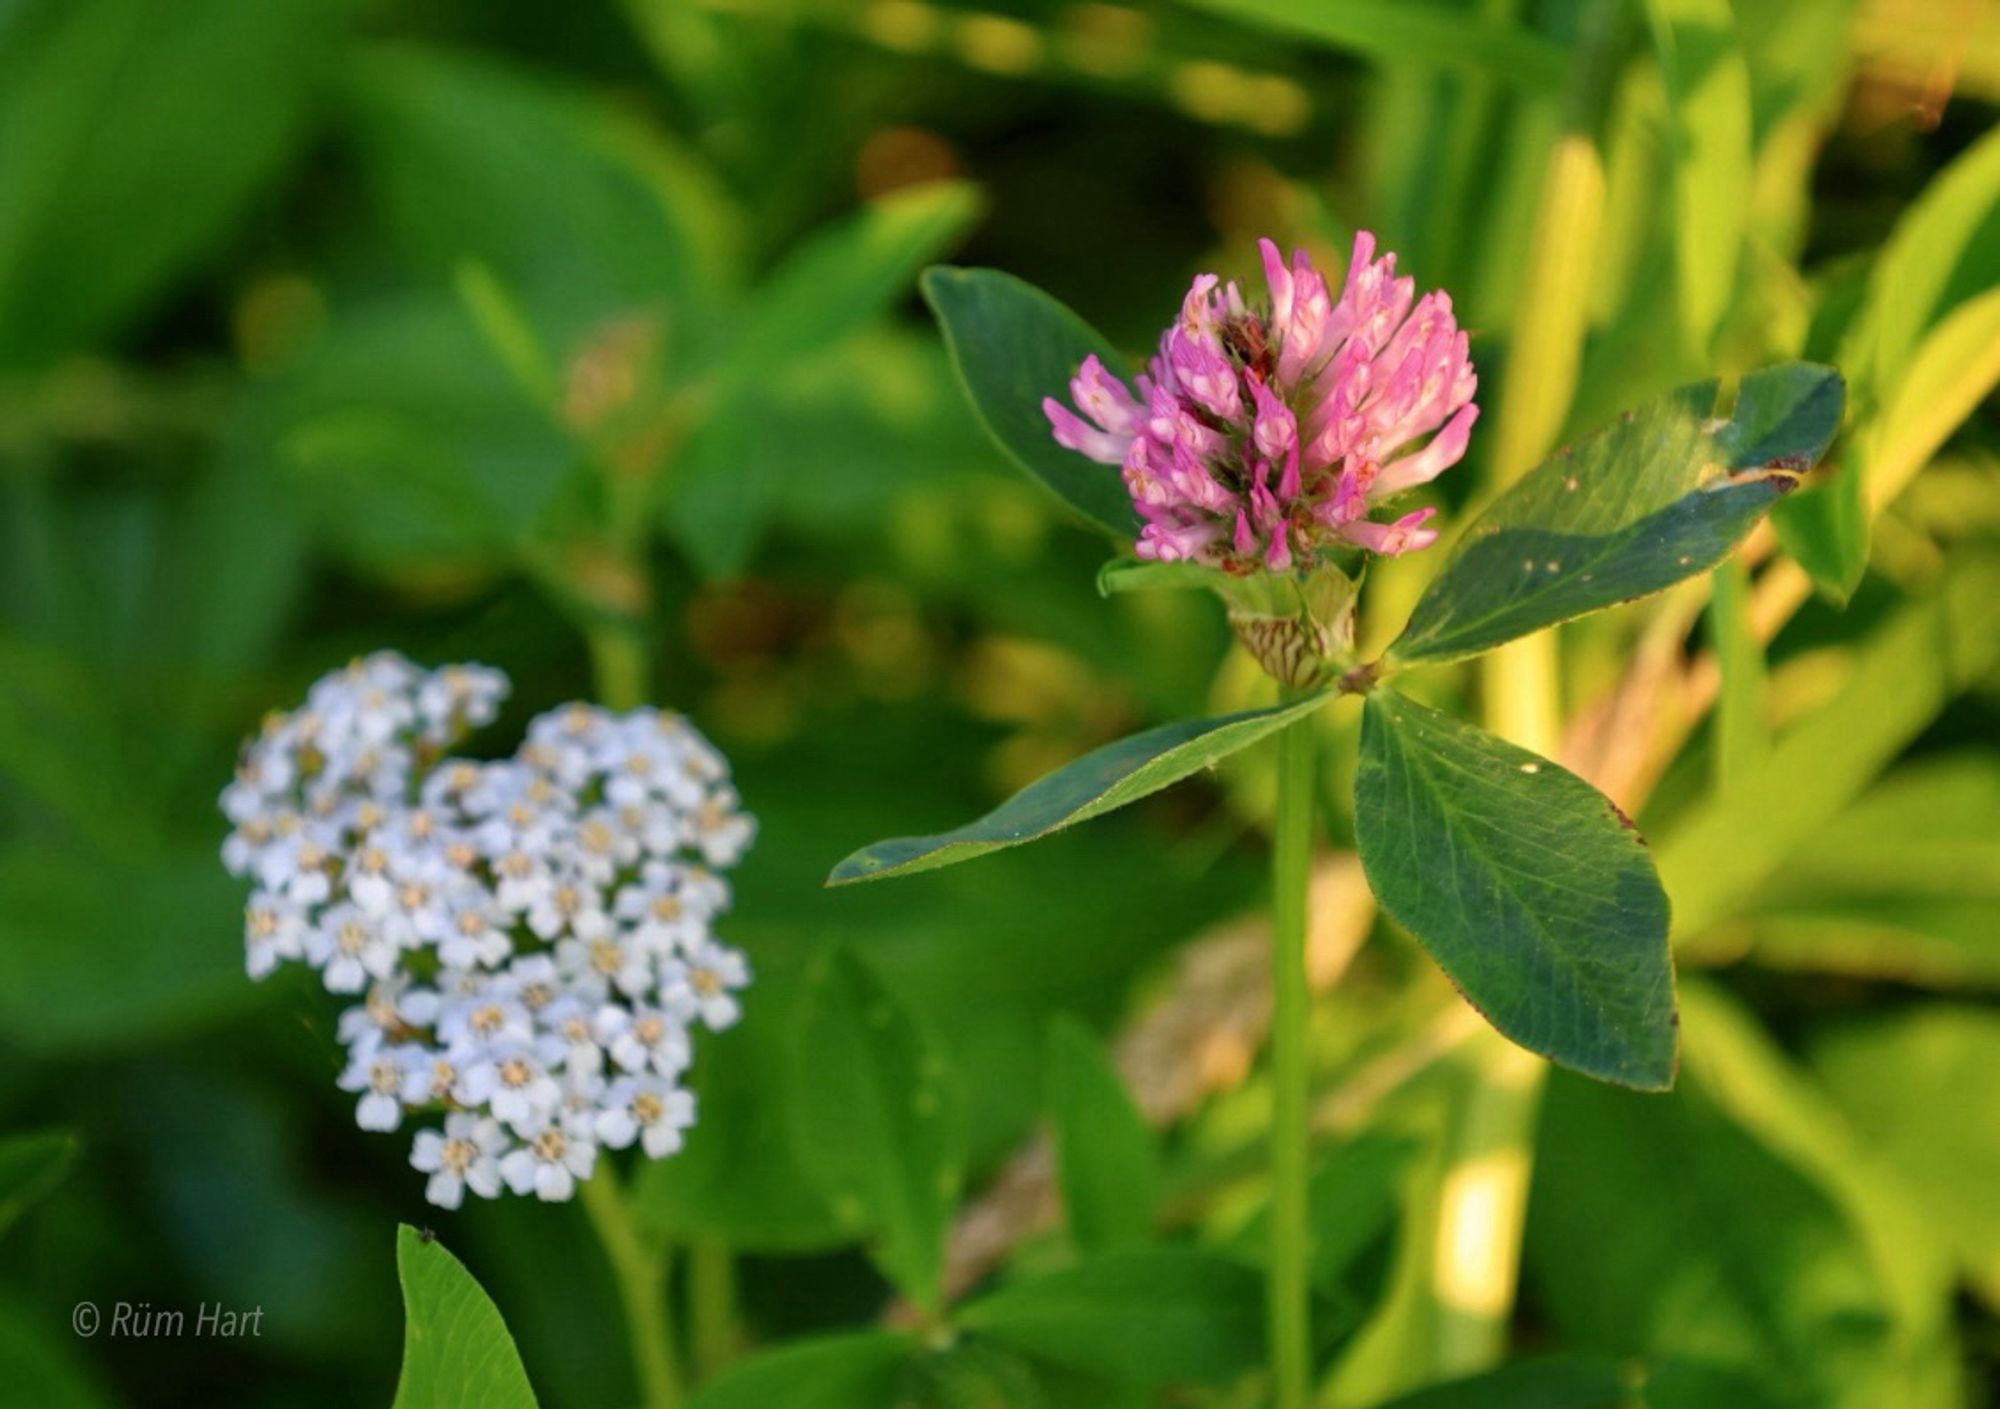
point(639, 1263)
point(1291, 1137)
point(639, 1267)
point(711, 1305)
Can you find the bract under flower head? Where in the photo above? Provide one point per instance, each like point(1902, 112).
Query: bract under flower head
point(529, 938)
point(1261, 436)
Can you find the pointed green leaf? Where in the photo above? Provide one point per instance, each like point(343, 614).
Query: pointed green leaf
point(832, 287)
point(1098, 782)
point(457, 1352)
point(30, 1166)
point(1529, 888)
point(1901, 1078)
point(876, 1120)
point(1106, 1159)
point(860, 1370)
point(1013, 345)
point(1659, 495)
point(1164, 1316)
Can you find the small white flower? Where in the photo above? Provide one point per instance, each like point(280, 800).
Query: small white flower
point(712, 975)
point(273, 930)
point(349, 949)
point(465, 1156)
point(380, 1076)
point(550, 1163)
point(512, 1080)
point(644, 1039)
point(472, 937)
point(648, 1109)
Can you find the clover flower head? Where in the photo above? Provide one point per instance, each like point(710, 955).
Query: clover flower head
point(530, 939)
point(1263, 434)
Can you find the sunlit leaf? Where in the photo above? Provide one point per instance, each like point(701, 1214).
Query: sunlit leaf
point(1098, 782)
point(1013, 345)
point(1658, 496)
point(1945, 249)
point(876, 1120)
point(1708, 93)
point(1527, 886)
point(1715, 857)
point(457, 1352)
point(1164, 1316)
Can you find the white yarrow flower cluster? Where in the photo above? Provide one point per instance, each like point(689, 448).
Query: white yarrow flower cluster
point(531, 939)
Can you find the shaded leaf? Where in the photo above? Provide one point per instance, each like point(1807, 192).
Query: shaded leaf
point(1702, 1241)
point(861, 1370)
point(876, 1120)
point(30, 1166)
point(1412, 31)
point(457, 1352)
point(1013, 345)
point(1527, 886)
point(98, 953)
point(1902, 1079)
point(1164, 1316)
point(1552, 1382)
point(42, 1361)
point(135, 133)
point(1106, 1160)
point(1098, 782)
point(1658, 496)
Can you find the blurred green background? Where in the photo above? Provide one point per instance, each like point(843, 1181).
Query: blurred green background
point(520, 333)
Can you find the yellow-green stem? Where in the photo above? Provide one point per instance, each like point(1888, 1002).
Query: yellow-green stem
point(1291, 1062)
point(618, 661)
point(639, 1266)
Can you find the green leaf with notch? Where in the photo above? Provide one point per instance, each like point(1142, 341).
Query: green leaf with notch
point(1530, 889)
point(1098, 782)
point(1012, 345)
point(876, 1120)
point(1658, 496)
point(1106, 1159)
point(1164, 1316)
point(457, 1352)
